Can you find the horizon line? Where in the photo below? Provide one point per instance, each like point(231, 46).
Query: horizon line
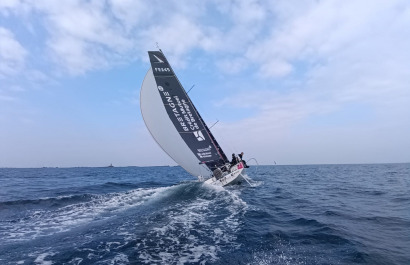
point(313, 164)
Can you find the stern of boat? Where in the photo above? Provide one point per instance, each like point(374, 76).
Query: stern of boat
point(235, 175)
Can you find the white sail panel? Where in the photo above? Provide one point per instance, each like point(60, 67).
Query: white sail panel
point(163, 130)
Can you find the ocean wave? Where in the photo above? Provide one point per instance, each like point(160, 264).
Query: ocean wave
point(196, 225)
point(80, 209)
point(350, 215)
point(46, 201)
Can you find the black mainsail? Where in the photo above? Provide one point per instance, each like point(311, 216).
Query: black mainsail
point(161, 84)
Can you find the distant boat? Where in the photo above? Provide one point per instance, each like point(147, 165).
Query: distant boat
point(111, 165)
point(179, 129)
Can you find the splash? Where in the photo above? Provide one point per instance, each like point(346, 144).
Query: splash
point(38, 222)
point(194, 231)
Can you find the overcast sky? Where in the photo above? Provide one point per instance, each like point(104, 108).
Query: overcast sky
point(296, 82)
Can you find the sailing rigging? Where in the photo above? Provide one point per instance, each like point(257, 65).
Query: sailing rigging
point(179, 129)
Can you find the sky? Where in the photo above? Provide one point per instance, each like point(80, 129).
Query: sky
point(290, 81)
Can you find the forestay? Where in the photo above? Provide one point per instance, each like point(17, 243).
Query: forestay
point(174, 122)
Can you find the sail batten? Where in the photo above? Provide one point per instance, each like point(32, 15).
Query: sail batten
point(171, 116)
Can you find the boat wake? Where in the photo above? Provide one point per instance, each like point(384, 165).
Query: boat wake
point(253, 183)
point(44, 217)
point(185, 223)
point(196, 229)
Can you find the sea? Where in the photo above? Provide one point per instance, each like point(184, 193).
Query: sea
point(305, 214)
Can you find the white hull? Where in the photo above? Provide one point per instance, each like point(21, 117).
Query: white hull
point(235, 176)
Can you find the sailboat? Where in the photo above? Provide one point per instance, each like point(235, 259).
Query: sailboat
point(178, 128)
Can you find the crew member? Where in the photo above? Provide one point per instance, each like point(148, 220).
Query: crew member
point(234, 160)
point(244, 162)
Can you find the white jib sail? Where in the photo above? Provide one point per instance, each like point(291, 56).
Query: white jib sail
point(163, 130)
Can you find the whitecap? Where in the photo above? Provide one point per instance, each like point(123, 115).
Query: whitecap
point(47, 222)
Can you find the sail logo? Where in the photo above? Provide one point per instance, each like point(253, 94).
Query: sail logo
point(159, 60)
point(160, 69)
point(205, 149)
point(204, 155)
point(199, 136)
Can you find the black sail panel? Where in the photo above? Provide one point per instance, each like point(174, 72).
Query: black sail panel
point(184, 115)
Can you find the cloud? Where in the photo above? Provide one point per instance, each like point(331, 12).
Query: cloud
point(275, 68)
point(339, 53)
point(130, 13)
point(6, 5)
point(292, 63)
point(179, 36)
point(82, 36)
point(232, 65)
point(322, 60)
point(88, 35)
point(324, 30)
point(12, 54)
